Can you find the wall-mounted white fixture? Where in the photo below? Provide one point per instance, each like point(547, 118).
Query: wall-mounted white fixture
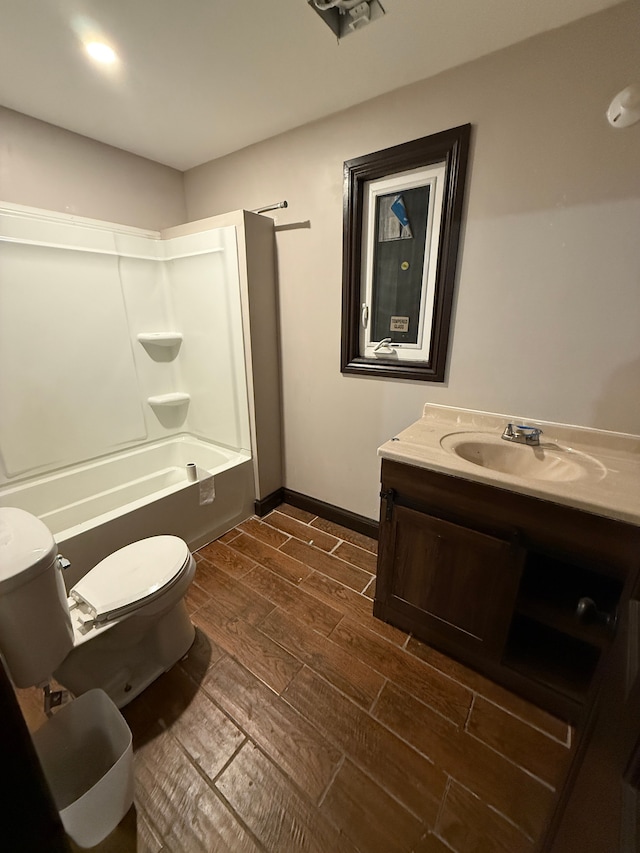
point(347, 16)
point(160, 339)
point(624, 109)
point(177, 398)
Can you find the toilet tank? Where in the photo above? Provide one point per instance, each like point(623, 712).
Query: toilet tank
point(35, 626)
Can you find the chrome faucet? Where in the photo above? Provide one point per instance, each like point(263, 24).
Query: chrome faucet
point(522, 434)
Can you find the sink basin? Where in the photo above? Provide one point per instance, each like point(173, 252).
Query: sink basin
point(546, 462)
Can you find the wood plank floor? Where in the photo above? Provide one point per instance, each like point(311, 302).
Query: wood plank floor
point(298, 722)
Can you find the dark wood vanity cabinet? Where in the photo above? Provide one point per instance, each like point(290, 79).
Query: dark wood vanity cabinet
point(455, 583)
point(523, 590)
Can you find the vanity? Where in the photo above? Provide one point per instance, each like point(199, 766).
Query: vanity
point(511, 558)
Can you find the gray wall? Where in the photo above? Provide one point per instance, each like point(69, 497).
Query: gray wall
point(44, 166)
point(547, 317)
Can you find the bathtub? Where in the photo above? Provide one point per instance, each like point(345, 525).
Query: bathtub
point(94, 508)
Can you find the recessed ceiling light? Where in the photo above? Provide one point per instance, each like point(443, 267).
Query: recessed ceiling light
point(101, 52)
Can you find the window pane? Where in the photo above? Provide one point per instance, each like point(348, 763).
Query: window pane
point(400, 236)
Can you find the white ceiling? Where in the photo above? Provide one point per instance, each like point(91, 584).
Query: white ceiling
point(201, 78)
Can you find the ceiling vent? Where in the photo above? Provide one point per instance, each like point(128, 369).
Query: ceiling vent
point(346, 16)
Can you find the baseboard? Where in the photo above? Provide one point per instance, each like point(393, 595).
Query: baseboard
point(266, 505)
point(350, 520)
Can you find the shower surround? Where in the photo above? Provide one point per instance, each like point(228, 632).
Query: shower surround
point(125, 355)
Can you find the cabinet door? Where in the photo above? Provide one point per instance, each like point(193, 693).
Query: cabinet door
point(448, 584)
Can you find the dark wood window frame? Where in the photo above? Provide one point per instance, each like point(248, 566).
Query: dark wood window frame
point(451, 147)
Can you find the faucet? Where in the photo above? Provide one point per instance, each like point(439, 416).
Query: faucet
point(522, 434)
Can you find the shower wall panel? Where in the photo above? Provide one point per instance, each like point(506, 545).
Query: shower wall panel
point(202, 271)
point(147, 302)
point(68, 382)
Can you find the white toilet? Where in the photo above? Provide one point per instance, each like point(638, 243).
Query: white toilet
point(121, 626)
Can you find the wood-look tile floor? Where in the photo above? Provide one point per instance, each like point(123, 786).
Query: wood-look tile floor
point(299, 722)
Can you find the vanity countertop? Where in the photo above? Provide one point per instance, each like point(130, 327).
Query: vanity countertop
point(605, 466)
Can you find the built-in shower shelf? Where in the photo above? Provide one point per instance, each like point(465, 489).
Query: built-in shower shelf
point(160, 339)
point(178, 398)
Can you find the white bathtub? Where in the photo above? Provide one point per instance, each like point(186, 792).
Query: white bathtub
point(95, 508)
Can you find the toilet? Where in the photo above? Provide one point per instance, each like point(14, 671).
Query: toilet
point(120, 627)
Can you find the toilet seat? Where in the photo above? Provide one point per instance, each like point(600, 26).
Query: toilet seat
point(131, 577)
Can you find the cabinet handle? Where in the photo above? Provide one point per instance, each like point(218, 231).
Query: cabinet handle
point(587, 611)
point(388, 495)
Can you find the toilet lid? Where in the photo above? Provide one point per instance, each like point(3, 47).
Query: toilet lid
point(140, 571)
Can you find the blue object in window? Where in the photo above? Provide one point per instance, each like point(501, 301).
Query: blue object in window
point(397, 206)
